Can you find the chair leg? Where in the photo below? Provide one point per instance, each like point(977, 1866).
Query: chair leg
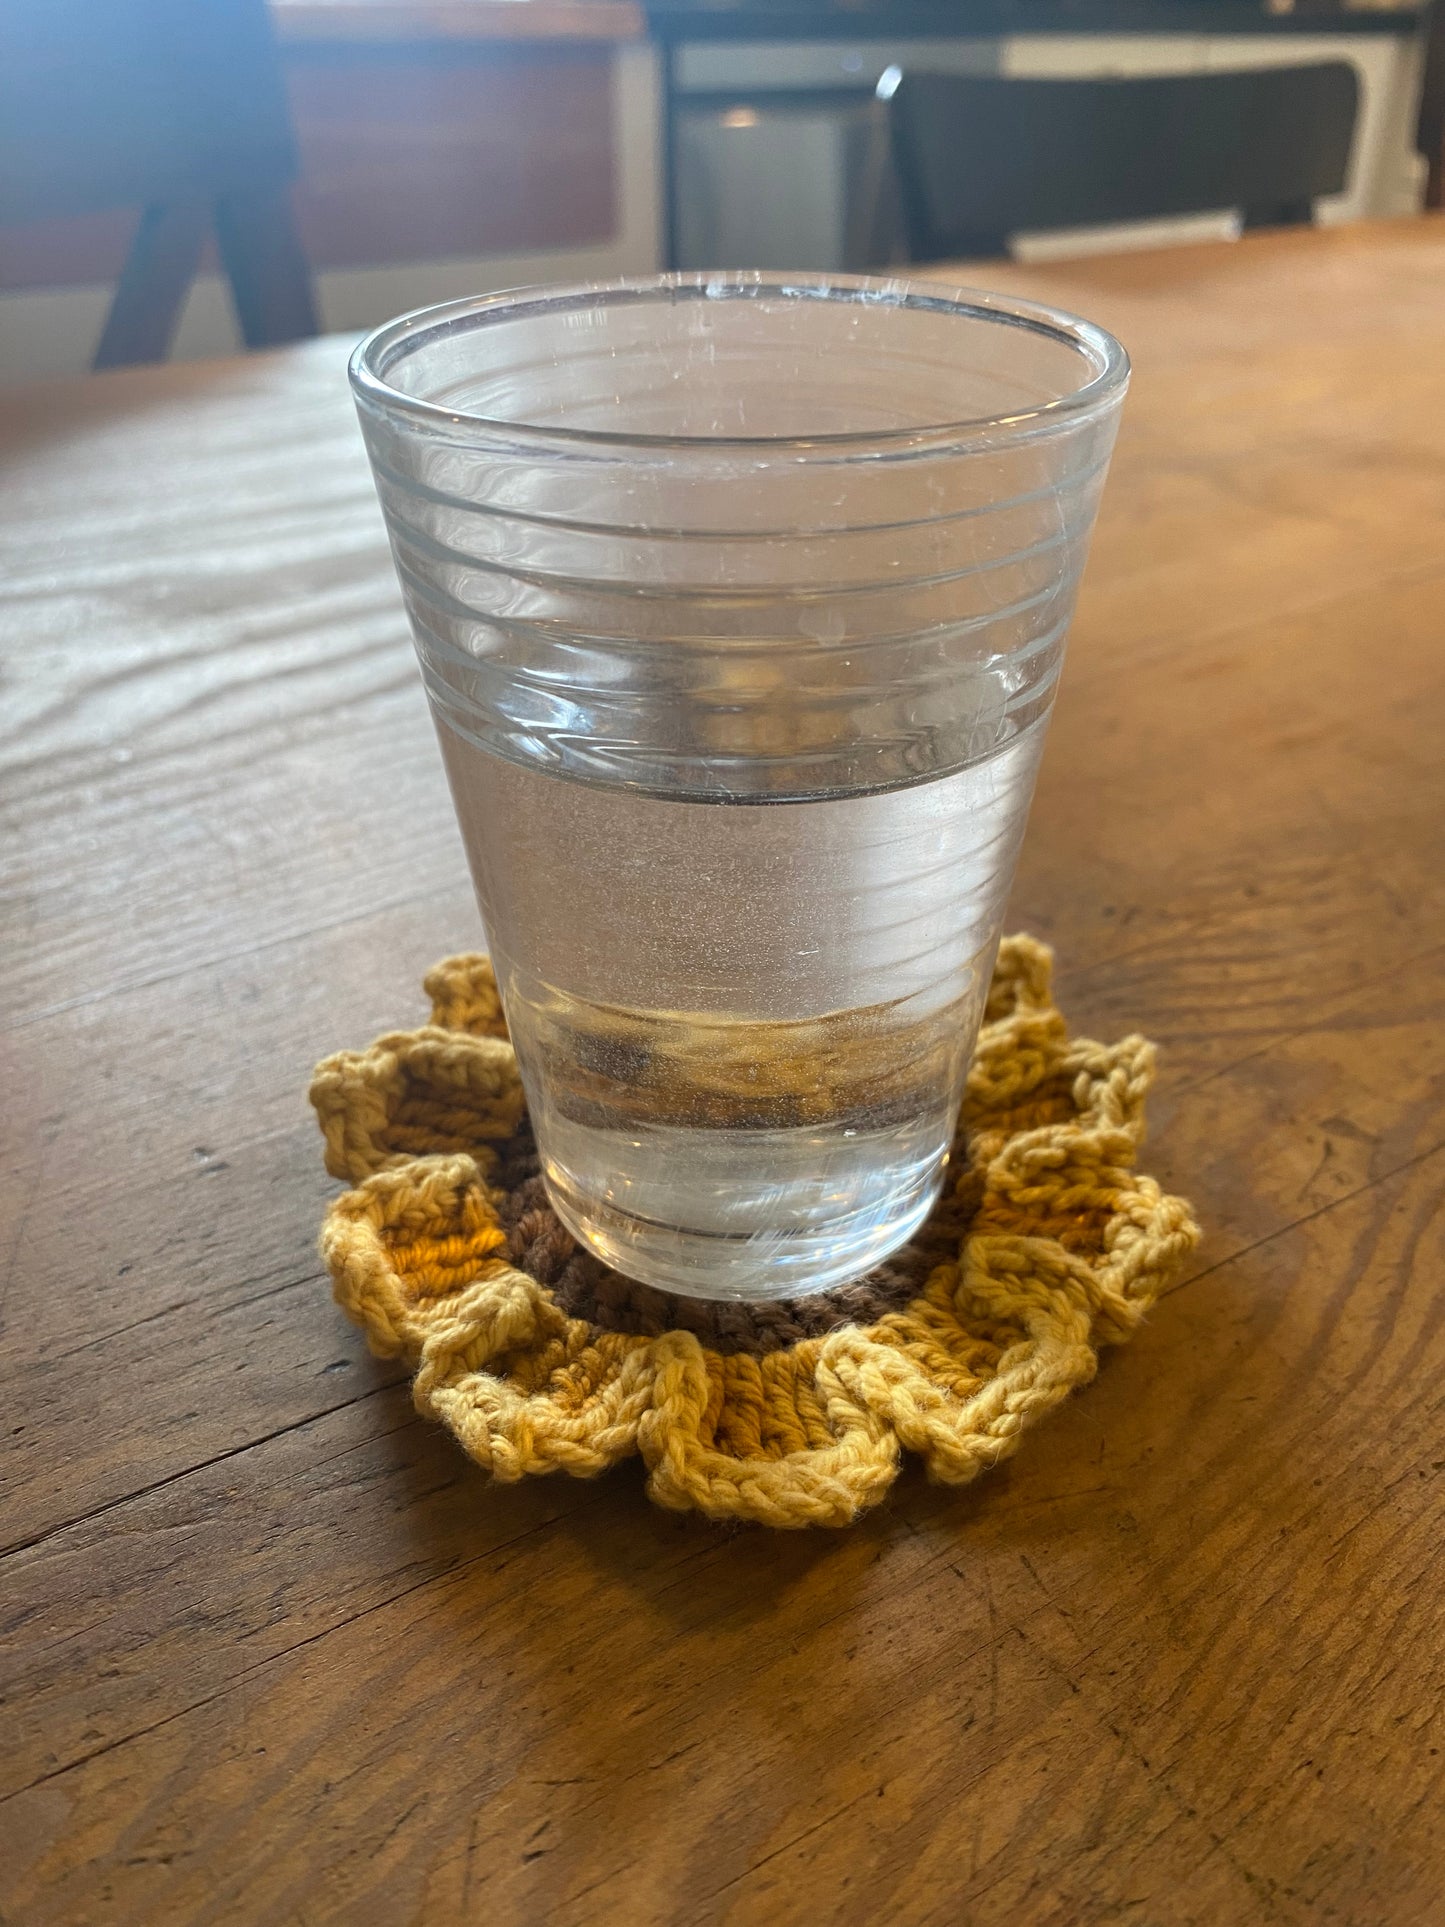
point(266, 267)
point(873, 236)
point(153, 284)
point(1430, 133)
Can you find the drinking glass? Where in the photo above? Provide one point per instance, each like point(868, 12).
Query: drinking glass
point(740, 601)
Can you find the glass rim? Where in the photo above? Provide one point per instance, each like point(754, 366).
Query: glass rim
point(378, 352)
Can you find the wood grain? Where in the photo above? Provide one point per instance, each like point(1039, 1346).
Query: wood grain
point(273, 1652)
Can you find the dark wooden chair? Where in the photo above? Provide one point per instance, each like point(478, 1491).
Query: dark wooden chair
point(175, 108)
point(979, 159)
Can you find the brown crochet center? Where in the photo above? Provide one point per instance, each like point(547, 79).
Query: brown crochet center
point(540, 1244)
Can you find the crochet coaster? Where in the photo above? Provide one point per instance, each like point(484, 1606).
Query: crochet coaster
point(1047, 1244)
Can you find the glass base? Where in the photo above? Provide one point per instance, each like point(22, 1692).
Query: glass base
point(744, 1267)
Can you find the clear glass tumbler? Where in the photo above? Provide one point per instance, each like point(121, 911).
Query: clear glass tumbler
point(740, 601)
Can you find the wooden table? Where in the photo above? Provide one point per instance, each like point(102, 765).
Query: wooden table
point(276, 1653)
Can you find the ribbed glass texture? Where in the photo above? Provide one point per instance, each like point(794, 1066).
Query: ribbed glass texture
point(741, 602)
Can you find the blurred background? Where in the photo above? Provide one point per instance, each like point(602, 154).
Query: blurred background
point(182, 177)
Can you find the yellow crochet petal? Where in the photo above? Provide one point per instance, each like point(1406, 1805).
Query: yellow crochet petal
point(955, 1357)
point(1148, 1239)
point(1022, 979)
point(527, 1390)
point(465, 997)
point(825, 1484)
point(405, 1238)
point(957, 1398)
point(414, 1094)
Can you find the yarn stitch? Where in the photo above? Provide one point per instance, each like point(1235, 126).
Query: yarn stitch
point(1046, 1245)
